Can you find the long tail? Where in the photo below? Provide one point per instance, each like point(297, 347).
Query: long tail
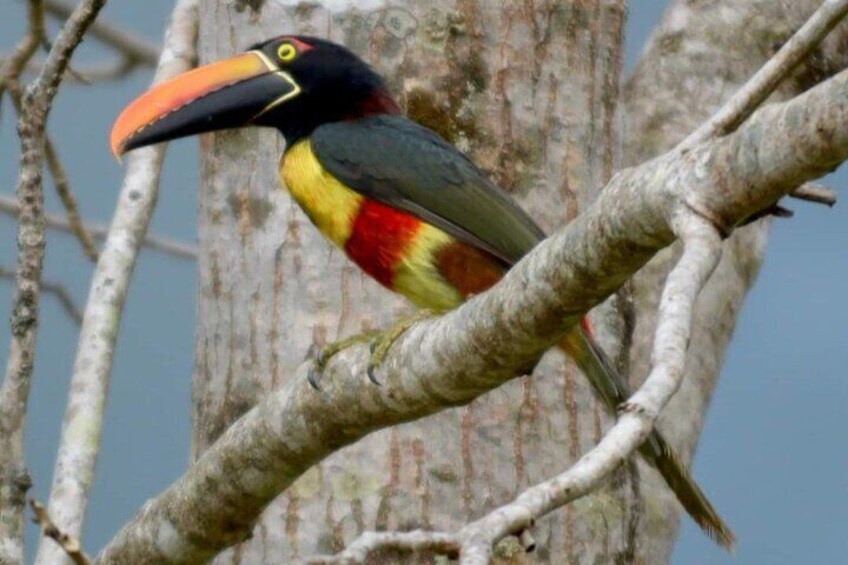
point(613, 391)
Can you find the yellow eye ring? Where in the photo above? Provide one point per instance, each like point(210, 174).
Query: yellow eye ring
point(286, 52)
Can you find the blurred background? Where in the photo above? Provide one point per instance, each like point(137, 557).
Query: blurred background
point(773, 456)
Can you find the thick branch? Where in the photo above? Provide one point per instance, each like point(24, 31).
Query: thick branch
point(450, 361)
point(702, 249)
point(82, 426)
point(370, 543)
point(476, 541)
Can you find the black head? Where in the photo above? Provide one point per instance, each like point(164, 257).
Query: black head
point(335, 85)
point(291, 83)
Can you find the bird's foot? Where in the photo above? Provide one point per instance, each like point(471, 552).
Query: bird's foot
point(381, 344)
point(322, 356)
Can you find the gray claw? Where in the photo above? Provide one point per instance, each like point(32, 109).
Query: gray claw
point(312, 376)
point(372, 375)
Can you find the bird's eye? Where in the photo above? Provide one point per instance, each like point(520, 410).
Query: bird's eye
point(286, 52)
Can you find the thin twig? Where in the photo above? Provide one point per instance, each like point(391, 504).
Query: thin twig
point(132, 46)
point(56, 289)
point(77, 455)
point(69, 544)
point(763, 83)
point(813, 192)
point(26, 48)
point(60, 181)
point(165, 245)
point(63, 189)
point(111, 70)
point(36, 103)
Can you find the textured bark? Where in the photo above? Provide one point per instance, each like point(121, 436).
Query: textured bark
point(699, 55)
point(528, 89)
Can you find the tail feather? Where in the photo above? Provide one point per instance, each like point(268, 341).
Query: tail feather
point(613, 390)
point(657, 452)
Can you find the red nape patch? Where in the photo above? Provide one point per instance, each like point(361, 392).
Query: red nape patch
point(379, 239)
point(379, 102)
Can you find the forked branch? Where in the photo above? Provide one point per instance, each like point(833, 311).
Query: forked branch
point(476, 541)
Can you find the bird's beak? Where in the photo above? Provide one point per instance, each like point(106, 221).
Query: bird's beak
point(227, 94)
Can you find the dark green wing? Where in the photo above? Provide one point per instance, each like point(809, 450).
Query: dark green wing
point(395, 161)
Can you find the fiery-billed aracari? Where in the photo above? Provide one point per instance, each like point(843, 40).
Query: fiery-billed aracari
point(406, 206)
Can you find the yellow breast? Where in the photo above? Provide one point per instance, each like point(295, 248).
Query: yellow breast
point(401, 258)
point(330, 205)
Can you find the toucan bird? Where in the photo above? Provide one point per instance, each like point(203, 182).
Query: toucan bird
point(405, 205)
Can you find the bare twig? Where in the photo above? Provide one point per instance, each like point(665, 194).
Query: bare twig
point(813, 192)
point(133, 47)
point(69, 544)
point(74, 470)
point(51, 287)
point(37, 101)
point(111, 70)
point(762, 84)
point(27, 47)
point(63, 189)
point(165, 245)
point(107, 71)
point(60, 181)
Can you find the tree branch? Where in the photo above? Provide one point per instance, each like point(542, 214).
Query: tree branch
point(476, 541)
point(763, 83)
point(63, 189)
point(370, 543)
point(812, 192)
point(165, 245)
point(60, 181)
point(51, 287)
point(17, 61)
point(70, 545)
point(136, 49)
point(35, 107)
point(74, 470)
point(451, 360)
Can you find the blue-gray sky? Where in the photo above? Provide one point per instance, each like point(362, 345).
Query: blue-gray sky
point(773, 456)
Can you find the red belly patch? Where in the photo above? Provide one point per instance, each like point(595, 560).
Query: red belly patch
point(379, 238)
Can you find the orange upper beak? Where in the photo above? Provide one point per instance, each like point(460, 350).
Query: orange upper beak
point(222, 95)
